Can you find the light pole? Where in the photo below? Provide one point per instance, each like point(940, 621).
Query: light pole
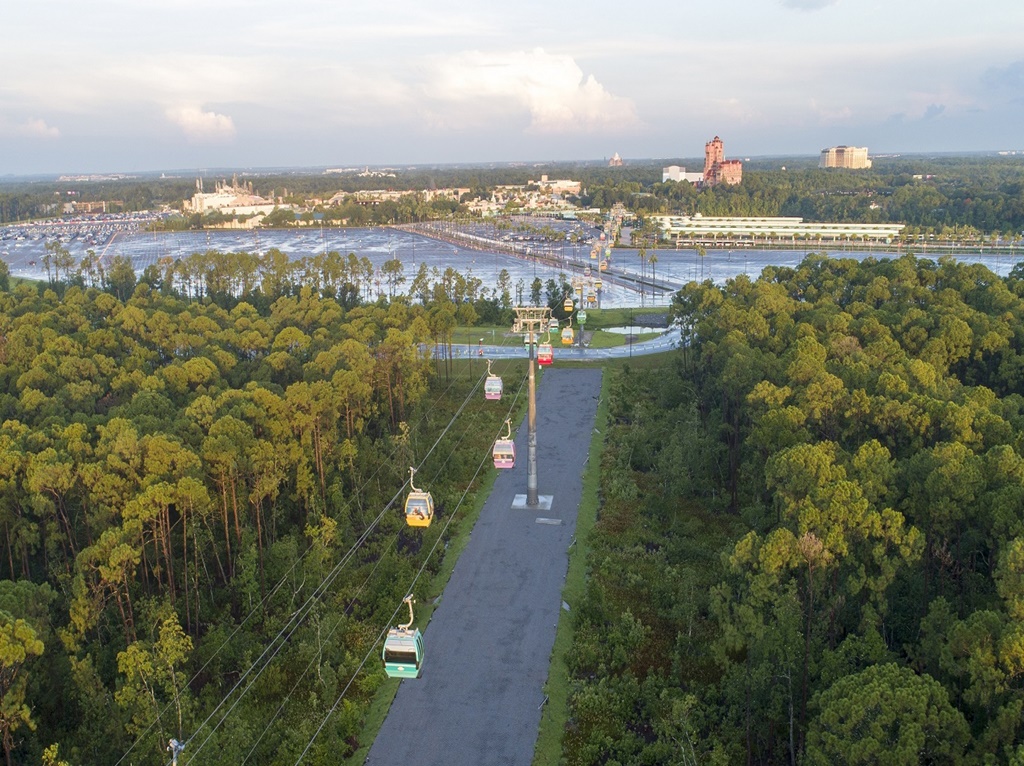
point(631, 332)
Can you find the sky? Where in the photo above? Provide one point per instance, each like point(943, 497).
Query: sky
point(133, 85)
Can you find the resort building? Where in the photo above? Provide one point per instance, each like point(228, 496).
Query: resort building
point(853, 157)
point(559, 186)
point(717, 169)
point(722, 231)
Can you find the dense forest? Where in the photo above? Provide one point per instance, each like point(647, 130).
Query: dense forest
point(201, 516)
point(955, 197)
point(811, 548)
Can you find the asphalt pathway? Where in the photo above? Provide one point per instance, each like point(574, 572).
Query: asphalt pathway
point(489, 642)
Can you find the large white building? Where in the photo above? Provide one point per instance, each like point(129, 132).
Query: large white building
point(853, 157)
point(230, 199)
point(676, 173)
point(698, 229)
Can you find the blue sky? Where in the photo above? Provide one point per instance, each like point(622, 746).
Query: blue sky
point(135, 85)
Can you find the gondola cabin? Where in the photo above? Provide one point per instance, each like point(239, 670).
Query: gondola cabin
point(603, 266)
point(403, 653)
point(545, 354)
point(419, 509)
point(591, 298)
point(567, 306)
point(567, 336)
point(552, 325)
point(504, 453)
point(403, 647)
point(492, 387)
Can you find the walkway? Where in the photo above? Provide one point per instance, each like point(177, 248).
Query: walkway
point(489, 642)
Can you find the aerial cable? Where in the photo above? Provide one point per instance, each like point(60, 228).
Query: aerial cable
point(262, 603)
point(327, 638)
point(297, 617)
point(304, 610)
point(381, 635)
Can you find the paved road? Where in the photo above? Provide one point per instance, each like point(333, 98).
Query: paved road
point(488, 645)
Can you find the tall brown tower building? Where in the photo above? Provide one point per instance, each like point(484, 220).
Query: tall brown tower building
point(717, 169)
point(714, 154)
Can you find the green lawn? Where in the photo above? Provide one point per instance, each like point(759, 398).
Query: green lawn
point(493, 335)
point(610, 339)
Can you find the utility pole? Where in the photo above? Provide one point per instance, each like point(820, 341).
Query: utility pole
point(578, 286)
point(529, 321)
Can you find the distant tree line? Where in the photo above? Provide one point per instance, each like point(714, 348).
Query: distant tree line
point(945, 196)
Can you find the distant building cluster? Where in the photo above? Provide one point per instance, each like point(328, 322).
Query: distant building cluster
point(546, 196)
point(92, 177)
point(365, 172)
point(373, 197)
point(853, 157)
point(717, 169)
point(92, 208)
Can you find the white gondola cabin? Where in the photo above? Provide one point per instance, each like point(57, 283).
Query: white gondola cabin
point(492, 384)
point(504, 451)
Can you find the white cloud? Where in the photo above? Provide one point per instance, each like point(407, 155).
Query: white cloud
point(550, 88)
point(35, 128)
point(200, 126)
point(830, 115)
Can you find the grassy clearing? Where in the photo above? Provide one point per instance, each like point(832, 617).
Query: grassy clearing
point(601, 318)
point(548, 750)
point(597, 319)
point(611, 339)
point(493, 335)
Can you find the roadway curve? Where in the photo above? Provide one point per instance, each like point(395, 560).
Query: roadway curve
point(667, 341)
